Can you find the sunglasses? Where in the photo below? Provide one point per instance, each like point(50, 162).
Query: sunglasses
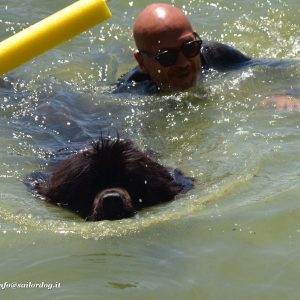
point(169, 57)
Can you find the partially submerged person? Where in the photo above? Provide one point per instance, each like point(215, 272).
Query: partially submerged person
point(171, 56)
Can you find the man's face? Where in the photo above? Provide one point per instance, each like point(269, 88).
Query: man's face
point(183, 73)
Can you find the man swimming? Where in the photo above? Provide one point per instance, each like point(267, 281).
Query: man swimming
point(171, 56)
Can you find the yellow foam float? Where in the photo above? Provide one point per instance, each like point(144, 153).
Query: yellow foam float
point(50, 32)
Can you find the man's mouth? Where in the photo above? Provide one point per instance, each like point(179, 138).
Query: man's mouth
point(182, 74)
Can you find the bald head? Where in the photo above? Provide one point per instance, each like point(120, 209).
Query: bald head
point(162, 28)
point(157, 20)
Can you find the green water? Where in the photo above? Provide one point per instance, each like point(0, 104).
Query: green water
point(235, 236)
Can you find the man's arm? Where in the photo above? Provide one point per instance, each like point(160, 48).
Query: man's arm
point(282, 103)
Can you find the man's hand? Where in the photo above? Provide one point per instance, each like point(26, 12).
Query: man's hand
point(282, 103)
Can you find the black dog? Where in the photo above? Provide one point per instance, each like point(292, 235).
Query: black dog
point(112, 180)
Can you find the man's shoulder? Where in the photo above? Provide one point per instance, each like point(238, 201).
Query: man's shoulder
point(220, 56)
point(136, 81)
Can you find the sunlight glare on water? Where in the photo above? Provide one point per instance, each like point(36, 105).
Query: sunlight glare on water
point(235, 236)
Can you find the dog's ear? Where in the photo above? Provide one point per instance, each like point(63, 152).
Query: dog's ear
point(90, 219)
point(70, 178)
point(151, 180)
point(34, 180)
point(186, 182)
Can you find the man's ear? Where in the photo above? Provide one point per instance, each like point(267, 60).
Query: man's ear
point(140, 60)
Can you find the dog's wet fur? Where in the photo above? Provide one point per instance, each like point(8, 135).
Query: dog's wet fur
point(111, 180)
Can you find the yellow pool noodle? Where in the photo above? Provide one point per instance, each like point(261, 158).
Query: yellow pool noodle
point(51, 31)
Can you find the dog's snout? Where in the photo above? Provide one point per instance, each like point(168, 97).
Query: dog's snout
point(112, 202)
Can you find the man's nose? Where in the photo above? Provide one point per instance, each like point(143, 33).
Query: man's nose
point(182, 60)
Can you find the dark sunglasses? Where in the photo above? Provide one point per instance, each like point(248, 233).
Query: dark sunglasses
point(169, 57)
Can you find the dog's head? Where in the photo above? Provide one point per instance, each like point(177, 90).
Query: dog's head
point(112, 180)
